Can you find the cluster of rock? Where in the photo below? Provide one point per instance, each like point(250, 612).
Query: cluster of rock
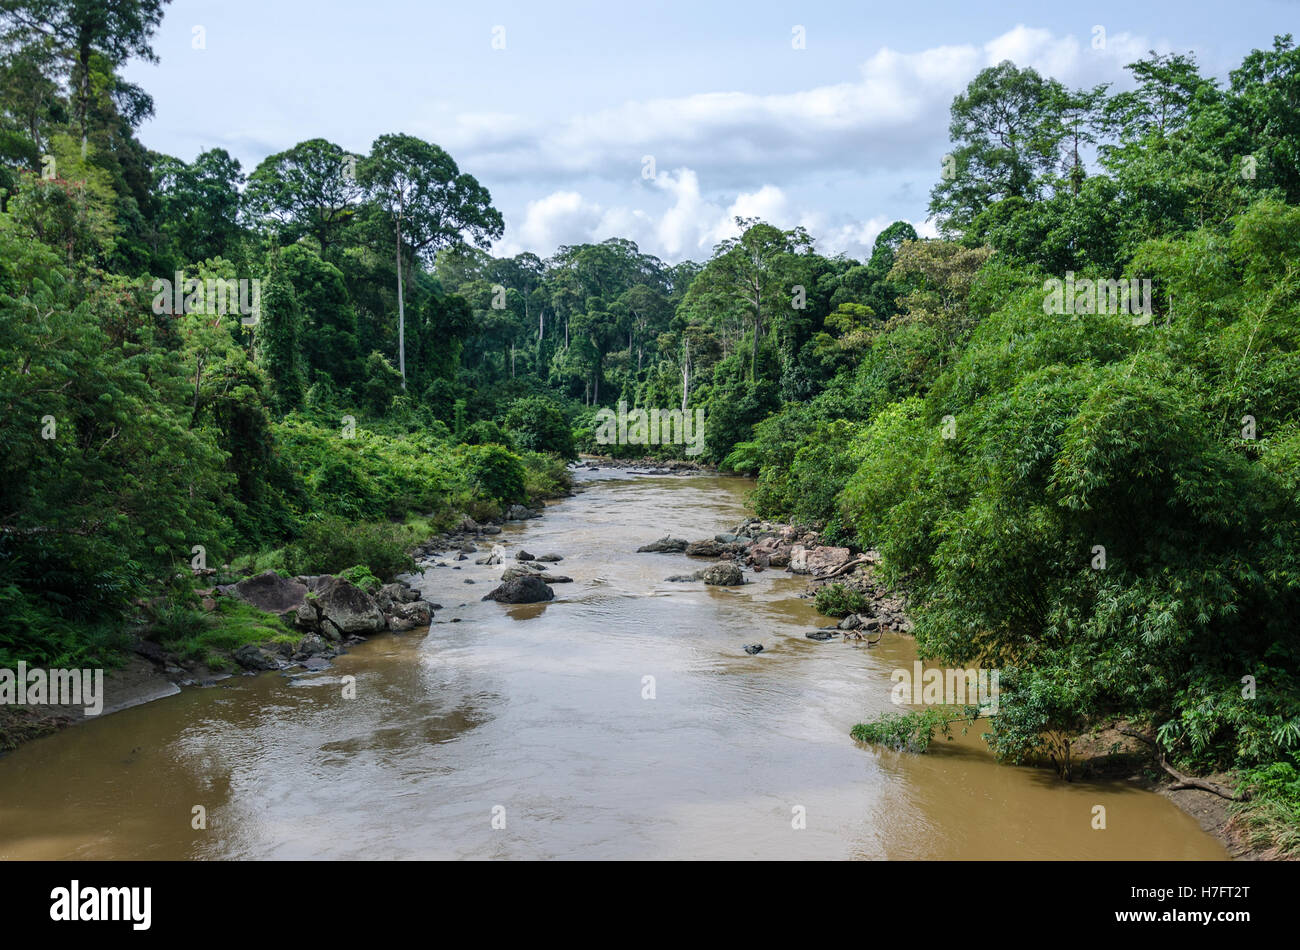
point(887, 611)
point(526, 582)
point(759, 545)
point(330, 609)
point(468, 534)
point(644, 466)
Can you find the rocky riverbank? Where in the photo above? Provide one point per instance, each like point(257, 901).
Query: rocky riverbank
point(326, 614)
point(645, 466)
point(757, 545)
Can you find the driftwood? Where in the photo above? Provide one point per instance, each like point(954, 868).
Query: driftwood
point(1181, 780)
point(844, 568)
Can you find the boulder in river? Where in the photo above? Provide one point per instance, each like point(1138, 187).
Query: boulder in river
point(346, 608)
point(524, 556)
point(395, 593)
point(550, 558)
point(705, 548)
point(311, 645)
point(251, 657)
point(752, 648)
point(725, 574)
point(522, 570)
point(822, 635)
point(664, 545)
point(523, 589)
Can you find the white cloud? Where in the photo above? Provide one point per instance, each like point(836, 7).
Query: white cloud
point(890, 121)
point(689, 227)
point(892, 115)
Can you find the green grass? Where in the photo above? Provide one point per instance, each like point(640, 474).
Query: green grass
point(208, 636)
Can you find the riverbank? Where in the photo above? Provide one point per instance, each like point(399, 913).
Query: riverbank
point(846, 588)
point(564, 680)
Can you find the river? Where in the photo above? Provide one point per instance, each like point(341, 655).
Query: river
point(537, 732)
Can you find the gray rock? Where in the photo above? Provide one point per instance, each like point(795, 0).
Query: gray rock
point(270, 592)
point(726, 574)
point(311, 645)
point(850, 622)
point(817, 560)
point(524, 556)
point(556, 578)
point(525, 589)
point(252, 657)
point(752, 648)
point(347, 608)
point(550, 558)
point(664, 545)
point(707, 548)
point(822, 635)
point(418, 613)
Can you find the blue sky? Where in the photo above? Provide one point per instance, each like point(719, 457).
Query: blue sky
point(842, 136)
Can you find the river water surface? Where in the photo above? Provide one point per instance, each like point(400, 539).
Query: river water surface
point(539, 718)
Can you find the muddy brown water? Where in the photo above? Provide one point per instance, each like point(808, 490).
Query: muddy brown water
point(537, 717)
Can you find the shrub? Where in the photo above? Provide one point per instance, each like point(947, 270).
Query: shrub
point(545, 475)
point(840, 600)
point(494, 472)
point(538, 426)
point(330, 545)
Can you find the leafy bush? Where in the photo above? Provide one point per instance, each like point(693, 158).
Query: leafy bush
point(360, 576)
point(537, 425)
point(911, 731)
point(545, 476)
point(330, 545)
point(494, 473)
point(840, 600)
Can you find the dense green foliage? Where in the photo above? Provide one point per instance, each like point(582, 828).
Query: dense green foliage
point(1104, 504)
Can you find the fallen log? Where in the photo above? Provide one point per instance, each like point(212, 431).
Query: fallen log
point(844, 568)
point(1180, 779)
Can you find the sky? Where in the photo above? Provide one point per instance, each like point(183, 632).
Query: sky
point(658, 121)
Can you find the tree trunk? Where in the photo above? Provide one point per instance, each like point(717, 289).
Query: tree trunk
point(83, 96)
point(686, 374)
point(401, 310)
point(1181, 780)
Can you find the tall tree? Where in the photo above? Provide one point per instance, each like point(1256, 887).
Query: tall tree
point(311, 188)
point(432, 205)
point(114, 29)
point(1006, 136)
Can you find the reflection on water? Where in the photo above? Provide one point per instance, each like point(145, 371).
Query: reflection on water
point(541, 713)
